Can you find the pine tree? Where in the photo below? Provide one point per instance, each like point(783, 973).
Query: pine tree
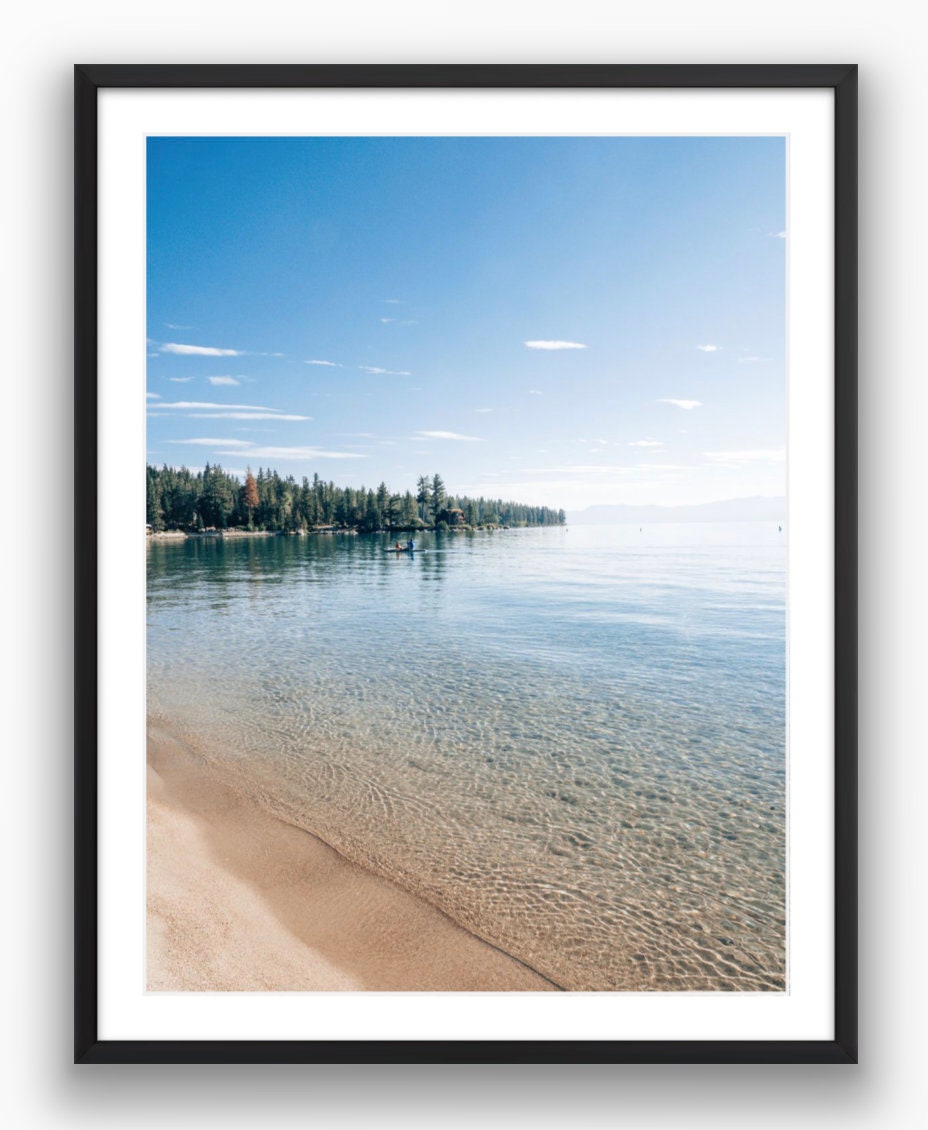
point(422, 497)
point(250, 500)
point(394, 512)
point(154, 515)
point(410, 514)
point(383, 500)
point(373, 517)
point(437, 499)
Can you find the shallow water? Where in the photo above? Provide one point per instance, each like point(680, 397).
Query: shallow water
point(572, 741)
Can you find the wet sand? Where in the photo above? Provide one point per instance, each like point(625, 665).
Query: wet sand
point(239, 901)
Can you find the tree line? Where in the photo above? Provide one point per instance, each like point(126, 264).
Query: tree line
point(213, 499)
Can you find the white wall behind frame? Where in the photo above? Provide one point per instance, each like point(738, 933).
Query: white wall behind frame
point(40, 44)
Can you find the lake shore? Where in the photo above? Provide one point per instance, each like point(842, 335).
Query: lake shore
point(240, 901)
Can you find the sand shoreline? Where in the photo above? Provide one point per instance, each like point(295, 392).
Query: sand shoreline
point(240, 901)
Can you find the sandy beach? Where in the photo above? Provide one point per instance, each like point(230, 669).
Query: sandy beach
point(241, 901)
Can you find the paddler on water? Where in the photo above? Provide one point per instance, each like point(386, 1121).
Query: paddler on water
point(410, 545)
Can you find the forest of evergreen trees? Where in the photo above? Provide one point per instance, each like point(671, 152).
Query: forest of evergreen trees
point(212, 499)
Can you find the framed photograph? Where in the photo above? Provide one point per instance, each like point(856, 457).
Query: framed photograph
point(466, 564)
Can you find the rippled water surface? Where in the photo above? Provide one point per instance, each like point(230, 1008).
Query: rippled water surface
point(572, 741)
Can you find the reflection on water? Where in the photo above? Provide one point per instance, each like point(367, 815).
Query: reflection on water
point(572, 741)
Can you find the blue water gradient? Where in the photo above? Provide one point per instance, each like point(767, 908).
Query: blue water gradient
point(570, 740)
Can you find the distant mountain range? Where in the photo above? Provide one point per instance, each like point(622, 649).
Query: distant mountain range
point(756, 509)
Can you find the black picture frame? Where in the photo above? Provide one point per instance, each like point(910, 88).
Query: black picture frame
point(842, 80)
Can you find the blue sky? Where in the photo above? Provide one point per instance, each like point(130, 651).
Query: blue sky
point(569, 321)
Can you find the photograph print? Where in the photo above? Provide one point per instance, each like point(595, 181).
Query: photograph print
point(466, 564)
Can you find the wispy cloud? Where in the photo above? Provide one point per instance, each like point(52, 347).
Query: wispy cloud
point(686, 405)
point(535, 392)
point(199, 350)
point(483, 409)
point(735, 458)
point(450, 435)
point(646, 443)
point(175, 326)
point(250, 450)
point(709, 348)
point(180, 380)
point(301, 453)
point(750, 360)
point(384, 372)
point(223, 381)
point(210, 442)
point(554, 345)
point(393, 301)
point(580, 469)
point(387, 321)
point(271, 415)
point(328, 364)
point(777, 234)
point(153, 395)
point(190, 404)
